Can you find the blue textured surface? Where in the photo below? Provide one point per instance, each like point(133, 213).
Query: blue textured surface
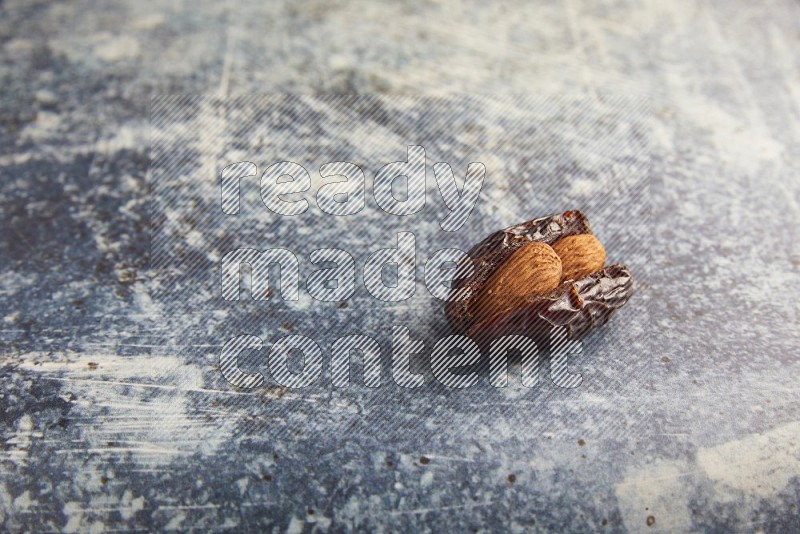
point(116, 417)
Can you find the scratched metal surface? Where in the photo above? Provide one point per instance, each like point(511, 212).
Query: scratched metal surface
point(115, 417)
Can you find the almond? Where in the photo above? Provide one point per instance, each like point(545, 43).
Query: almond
point(581, 255)
point(532, 270)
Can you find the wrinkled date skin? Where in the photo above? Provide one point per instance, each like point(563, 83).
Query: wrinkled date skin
point(578, 305)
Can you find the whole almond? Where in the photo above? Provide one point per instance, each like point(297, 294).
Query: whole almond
point(534, 269)
point(581, 255)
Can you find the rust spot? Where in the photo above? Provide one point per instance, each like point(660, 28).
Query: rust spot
point(273, 391)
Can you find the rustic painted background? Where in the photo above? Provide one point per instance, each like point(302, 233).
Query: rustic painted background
point(115, 416)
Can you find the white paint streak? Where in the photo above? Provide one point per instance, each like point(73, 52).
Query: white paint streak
point(659, 491)
point(117, 48)
point(755, 467)
point(139, 405)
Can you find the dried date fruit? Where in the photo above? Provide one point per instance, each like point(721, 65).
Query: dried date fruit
point(542, 273)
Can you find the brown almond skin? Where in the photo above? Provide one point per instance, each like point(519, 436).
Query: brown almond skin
point(581, 255)
point(532, 270)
